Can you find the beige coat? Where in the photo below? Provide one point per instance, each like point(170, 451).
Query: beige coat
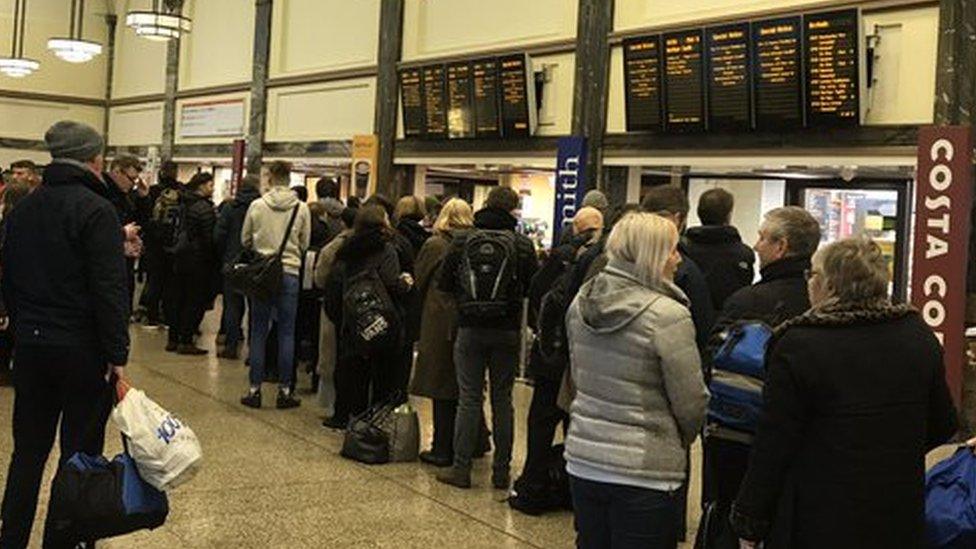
point(327, 333)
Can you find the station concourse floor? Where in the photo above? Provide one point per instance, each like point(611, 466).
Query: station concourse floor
point(274, 478)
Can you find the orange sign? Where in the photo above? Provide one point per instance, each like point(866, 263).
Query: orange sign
point(365, 151)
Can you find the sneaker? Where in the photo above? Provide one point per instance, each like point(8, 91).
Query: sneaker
point(501, 479)
point(455, 476)
point(171, 346)
point(286, 401)
point(335, 423)
point(228, 353)
point(252, 399)
point(190, 349)
point(437, 460)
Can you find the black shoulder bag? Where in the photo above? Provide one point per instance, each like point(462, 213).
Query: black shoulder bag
point(259, 276)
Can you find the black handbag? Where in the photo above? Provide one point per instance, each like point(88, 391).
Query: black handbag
point(365, 439)
point(259, 276)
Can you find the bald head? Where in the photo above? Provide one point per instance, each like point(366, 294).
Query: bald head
point(587, 219)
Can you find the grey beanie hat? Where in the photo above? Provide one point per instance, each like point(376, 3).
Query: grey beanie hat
point(596, 199)
point(73, 140)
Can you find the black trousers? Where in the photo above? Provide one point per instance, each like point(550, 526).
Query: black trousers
point(191, 290)
point(445, 415)
point(159, 268)
point(51, 385)
point(362, 381)
point(544, 417)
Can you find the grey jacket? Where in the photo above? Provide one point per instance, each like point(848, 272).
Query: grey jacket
point(265, 224)
point(640, 398)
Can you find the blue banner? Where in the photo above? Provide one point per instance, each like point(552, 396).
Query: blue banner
point(570, 187)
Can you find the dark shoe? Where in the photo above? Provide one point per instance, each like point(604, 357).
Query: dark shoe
point(171, 346)
point(228, 353)
point(455, 476)
point(435, 459)
point(252, 400)
point(286, 401)
point(484, 447)
point(221, 339)
point(190, 349)
point(501, 480)
point(335, 423)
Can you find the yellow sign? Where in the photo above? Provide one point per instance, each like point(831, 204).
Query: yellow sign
point(365, 151)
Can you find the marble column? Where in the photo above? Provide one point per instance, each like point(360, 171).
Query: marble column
point(111, 23)
point(592, 81)
point(169, 103)
point(387, 93)
point(259, 86)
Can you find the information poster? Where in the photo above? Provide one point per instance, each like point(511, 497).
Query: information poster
point(365, 151)
point(832, 69)
point(779, 86)
point(642, 79)
point(729, 77)
point(212, 118)
point(685, 92)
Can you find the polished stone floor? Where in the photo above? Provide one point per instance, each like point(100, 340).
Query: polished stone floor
point(275, 479)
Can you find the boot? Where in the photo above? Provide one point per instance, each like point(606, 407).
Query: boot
point(252, 399)
point(190, 350)
point(230, 353)
point(456, 476)
point(431, 457)
point(501, 479)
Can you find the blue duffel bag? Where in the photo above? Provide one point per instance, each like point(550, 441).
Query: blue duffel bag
point(950, 502)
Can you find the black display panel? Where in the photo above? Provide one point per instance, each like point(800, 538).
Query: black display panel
point(485, 86)
point(516, 121)
point(729, 78)
point(684, 104)
point(778, 69)
point(460, 102)
point(435, 102)
point(642, 83)
point(412, 98)
point(833, 74)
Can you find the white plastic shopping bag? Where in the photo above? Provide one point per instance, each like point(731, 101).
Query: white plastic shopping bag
point(165, 450)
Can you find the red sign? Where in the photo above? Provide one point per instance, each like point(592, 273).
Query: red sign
point(943, 199)
point(237, 166)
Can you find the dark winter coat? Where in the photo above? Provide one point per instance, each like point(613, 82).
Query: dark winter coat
point(197, 254)
point(414, 232)
point(64, 271)
point(371, 249)
point(434, 374)
point(854, 399)
point(227, 232)
point(725, 261)
point(496, 220)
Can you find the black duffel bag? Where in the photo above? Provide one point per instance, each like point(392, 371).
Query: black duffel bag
point(365, 439)
point(259, 276)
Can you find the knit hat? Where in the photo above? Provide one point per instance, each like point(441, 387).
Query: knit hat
point(73, 140)
point(586, 219)
point(596, 199)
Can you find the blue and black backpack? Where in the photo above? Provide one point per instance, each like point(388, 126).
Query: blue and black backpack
point(738, 376)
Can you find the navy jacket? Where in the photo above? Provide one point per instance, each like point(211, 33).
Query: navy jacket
point(227, 233)
point(64, 272)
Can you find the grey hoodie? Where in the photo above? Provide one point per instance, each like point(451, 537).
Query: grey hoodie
point(265, 224)
point(640, 398)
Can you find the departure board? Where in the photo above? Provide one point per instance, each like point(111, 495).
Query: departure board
point(642, 80)
point(516, 94)
point(412, 98)
point(831, 41)
point(779, 85)
point(460, 103)
point(728, 78)
point(485, 79)
point(684, 104)
point(435, 103)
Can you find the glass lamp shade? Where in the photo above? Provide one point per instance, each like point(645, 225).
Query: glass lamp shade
point(74, 51)
point(158, 26)
point(18, 67)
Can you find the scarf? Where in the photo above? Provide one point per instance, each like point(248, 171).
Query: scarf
point(841, 313)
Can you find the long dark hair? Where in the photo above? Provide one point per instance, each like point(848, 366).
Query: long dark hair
point(372, 219)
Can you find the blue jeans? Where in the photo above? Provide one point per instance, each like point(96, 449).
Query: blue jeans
point(614, 516)
point(285, 307)
point(232, 317)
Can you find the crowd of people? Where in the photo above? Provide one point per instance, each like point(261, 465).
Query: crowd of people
point(381, 299)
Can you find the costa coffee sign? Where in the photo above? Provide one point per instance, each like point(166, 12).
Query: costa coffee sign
point(943, 201)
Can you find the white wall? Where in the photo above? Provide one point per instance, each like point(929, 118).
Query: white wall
point(140, 64)
point(753, 198)
point(136, 125)
point(635, 14)
point(556, 115)
point(7, 156)
point(23, 119)
point(219, 50)
point(434, 28)
point(318, 35)
point(332, 110)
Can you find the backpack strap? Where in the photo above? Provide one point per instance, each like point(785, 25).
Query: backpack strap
point(291, 223)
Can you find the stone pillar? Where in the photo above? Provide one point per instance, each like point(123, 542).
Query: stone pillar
point(592, 81)
point(387, 93)
point(259, 86)
point(614, 184)
point(169, 103)
point(111, 23)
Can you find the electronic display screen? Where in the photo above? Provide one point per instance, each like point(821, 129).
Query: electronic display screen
point(684, 104)
point(777, 71)
point(460, 103)
point(832, 97)
point(515, 93)
point(485, 85)
point(412, 98)
point(435, 102)
point(729, 78)
point(642, 82)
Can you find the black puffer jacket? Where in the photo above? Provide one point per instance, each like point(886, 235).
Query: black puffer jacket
point(414, 232)
point(227, 233)
point(725, 261)
point(197, 255)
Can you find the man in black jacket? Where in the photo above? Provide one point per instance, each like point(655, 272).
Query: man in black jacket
point(787, 240)
point(227, 241)
point(157, 299)
point(129, 194)
point(64, 285)
point(488, 330)
point(717, 247)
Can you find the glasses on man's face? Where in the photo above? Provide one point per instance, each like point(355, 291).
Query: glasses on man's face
point(810, 273)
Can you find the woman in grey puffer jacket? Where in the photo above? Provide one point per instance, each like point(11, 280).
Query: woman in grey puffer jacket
point(640, 398)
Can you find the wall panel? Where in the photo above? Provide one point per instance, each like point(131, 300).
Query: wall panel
point(634, 14)
point(219, 50)
point(319, 35)
point(333, 110)
point(434, 28)
point(136, 125)
point(26, 119)
point(140, 64)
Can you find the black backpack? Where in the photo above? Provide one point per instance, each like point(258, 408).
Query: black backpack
point(167, 219)
point(488, 274)
point(369, 316)
point(553, 343)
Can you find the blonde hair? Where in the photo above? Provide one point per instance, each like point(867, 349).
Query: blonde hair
point(456, 214)
point(410, 207)
point(645, 240)
point(853, 270)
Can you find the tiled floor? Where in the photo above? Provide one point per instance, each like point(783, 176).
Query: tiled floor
point(274, 478)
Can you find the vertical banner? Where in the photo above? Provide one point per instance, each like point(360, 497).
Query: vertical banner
point(570, 166)
point(236, 167)
point(365, 152)
point(943, 201)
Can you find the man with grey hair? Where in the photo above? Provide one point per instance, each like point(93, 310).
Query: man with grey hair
point(65, 290)
point(788, 238)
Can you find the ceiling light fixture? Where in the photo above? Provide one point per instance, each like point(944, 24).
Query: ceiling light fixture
point(73, 49)
point(163, 22)
point(18, 66)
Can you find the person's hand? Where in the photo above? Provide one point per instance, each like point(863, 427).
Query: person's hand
point(131, 231)
point(132, 248)
point(4, 323)
point(746, 544)
point(119, 371)
point(142, 188)
point(971, 443)
point(407, 279)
